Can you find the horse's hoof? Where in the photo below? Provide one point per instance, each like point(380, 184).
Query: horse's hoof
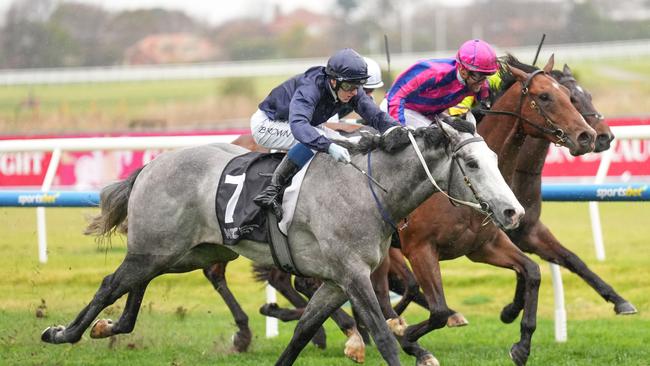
point(519, 354)
point(397, 326)
point(356, 355)
point(241, 340)
point(50, 334)
point(508, 315)
point(410, 335)
point(456, 320)
point(355, 349)
point(625, 308)
point(427, 360)
point(268, 309)
point(320, 339)
point(102, 328)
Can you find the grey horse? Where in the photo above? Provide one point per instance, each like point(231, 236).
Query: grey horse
point(337, 234)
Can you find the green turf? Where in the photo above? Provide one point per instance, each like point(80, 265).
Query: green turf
point(62, 106)
point(183, 321)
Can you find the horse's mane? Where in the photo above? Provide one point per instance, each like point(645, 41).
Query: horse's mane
point(507, 79)
point(398, 140)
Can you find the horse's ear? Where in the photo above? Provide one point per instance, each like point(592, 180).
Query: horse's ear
point(566, 70)
point(520, 75)
point(550, 63)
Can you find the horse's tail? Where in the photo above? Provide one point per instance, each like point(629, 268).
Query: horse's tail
point(114, 201)
point(261, 273)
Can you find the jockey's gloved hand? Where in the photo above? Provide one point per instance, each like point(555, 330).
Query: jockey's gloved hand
point(339, 153)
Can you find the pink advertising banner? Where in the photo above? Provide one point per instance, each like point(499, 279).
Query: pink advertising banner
point(81, 170)
point(631, 158)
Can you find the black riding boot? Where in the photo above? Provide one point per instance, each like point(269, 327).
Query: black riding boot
point(269, 197)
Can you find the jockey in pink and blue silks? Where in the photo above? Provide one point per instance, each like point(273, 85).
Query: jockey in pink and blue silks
point(431, 86)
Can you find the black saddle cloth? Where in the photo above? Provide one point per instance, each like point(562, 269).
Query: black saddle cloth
point(244, 177)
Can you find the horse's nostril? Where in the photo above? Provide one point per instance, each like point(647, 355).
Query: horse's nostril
point(603, 139)
point(585, 139)
point(510, 212)
point(603, 142)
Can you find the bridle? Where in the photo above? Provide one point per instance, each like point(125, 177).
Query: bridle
point(482, 206)
point(553, 128)
point(598, 116)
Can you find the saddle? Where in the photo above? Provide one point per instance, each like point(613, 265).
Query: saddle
point(243, 178)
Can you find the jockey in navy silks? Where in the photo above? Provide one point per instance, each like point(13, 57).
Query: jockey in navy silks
point(290, 117)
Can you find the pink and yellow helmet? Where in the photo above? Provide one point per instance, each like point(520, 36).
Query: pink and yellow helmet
point(477, 55)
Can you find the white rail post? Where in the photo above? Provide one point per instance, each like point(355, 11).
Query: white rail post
point(271, 323)
point(594, 213)
point(560, 311)
point(40, 211)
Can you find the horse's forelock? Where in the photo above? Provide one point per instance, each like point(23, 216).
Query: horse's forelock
point(557, 74)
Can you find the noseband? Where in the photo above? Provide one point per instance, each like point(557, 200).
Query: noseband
point(554, 130)
point(484, 206)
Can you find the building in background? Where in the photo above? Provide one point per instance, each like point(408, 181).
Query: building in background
point(170, 48)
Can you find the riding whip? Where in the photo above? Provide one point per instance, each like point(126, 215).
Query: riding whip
point(539, 47)
point(369, 177)
point(389, 80)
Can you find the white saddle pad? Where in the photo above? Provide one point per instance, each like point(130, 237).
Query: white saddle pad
point(291, 197)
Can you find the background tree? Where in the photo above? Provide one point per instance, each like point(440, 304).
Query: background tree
point(86, 24)
point(30, 40)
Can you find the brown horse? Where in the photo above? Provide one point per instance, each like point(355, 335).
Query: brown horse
point(531, 105)
point(533, 236)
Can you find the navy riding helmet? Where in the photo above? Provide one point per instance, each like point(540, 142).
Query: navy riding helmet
point(347, 65)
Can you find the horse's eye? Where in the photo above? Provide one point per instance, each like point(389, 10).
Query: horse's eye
point(544, 97)
point(472, 164)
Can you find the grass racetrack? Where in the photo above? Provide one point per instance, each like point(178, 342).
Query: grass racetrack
point(184, 322)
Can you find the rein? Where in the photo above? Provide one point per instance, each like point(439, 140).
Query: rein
point(482, 205)
point(554, 131)
point(385, 215)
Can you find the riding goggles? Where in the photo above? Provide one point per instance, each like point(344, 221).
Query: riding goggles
point(349, 85)
point(477, 77)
